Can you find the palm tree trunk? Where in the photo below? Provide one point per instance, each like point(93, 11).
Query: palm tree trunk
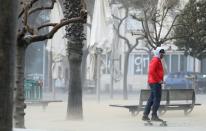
point(84, 67)
point(75, 38)
point(8, 24)
point(74, 108)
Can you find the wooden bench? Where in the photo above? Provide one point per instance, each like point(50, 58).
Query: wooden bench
point(43, 103)
point(172, 99)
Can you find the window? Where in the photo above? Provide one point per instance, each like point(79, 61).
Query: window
point(174, 63)
point(167, 61)
point(183, 63)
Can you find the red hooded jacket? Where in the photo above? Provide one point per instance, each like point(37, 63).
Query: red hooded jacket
point(156, 72)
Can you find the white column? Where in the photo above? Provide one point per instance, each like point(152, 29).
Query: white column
point(170, 62)
point(178, 62)
point(44, 66)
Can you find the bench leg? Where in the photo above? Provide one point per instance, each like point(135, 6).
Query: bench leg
point(44, 106)
point(187, 111)
point(134, 113)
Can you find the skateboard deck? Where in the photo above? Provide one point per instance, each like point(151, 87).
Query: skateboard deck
point(151, 123)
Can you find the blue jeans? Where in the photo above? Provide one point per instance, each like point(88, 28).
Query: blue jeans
point(154, 99)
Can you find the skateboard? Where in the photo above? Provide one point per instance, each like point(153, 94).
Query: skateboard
point(150, 123)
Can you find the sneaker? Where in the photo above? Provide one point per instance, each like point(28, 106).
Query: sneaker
point(156, 118)
point(145, 118)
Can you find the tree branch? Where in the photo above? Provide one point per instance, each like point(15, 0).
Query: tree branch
point(25, 20)
point(49, 35)
point(43, 8)
point(162, 20)
point(137, 42)
point(154, 22)
point(176, 37)
point(146, 35)
point(172, 25)
point(21, 33)
point(29, 5)
point(47, 25)
point(115, 17)
point(146, 27)
point(83, 3)
point(118, 28)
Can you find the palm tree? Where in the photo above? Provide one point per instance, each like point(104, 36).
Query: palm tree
point(75, 36)
point(8, 19)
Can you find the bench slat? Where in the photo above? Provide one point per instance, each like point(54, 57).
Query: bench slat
point(43, 103)
point(181, 94)
point(145, 93)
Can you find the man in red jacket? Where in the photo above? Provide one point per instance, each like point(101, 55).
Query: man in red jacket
point(155, 81)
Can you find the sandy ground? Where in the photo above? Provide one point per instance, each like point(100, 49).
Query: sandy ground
point(102, 117)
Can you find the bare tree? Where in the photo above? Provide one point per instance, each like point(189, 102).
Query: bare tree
point(27, 35)
point(8, 23)
point(130, 47)
point(154, 21)
point(155, 28)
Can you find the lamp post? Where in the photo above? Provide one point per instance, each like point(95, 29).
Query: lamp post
point(98, 72)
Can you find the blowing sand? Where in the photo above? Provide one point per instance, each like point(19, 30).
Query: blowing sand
point(102, 117)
